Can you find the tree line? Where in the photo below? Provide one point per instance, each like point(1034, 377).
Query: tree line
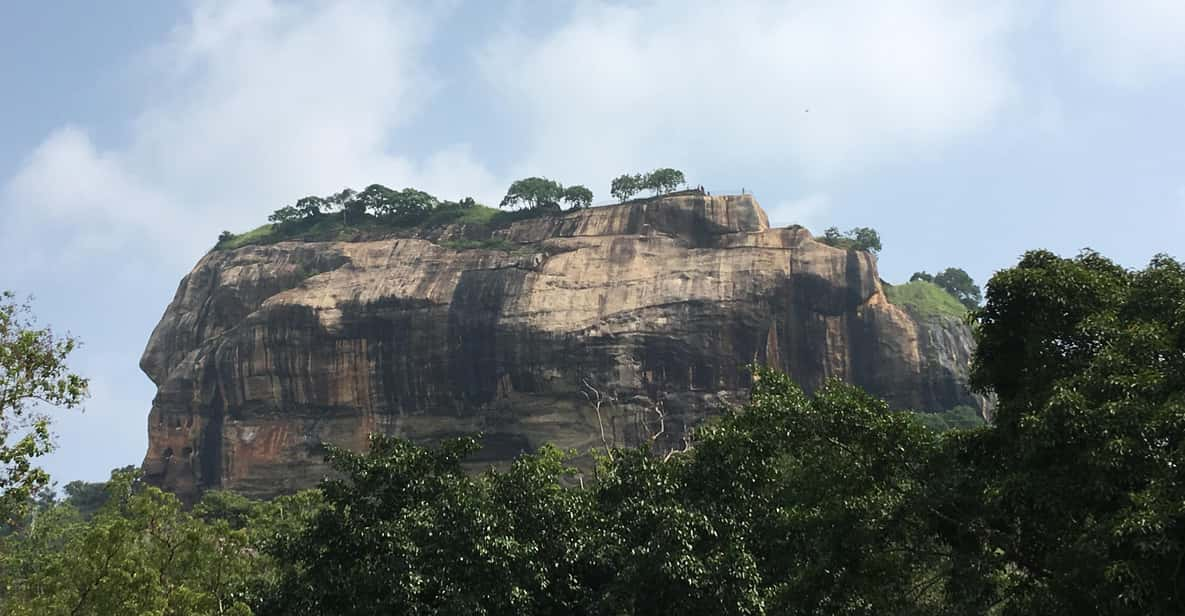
point(828, 502)
point(375, 200)
point(382, 207)
point(659, 181)
point(859, 238)
point(537, 192)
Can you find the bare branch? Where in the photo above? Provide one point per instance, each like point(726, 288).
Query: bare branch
point(597, 399)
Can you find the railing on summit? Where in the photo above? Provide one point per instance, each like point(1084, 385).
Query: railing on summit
point(694, 190)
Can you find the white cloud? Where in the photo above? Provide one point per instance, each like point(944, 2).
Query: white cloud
point(809, 211)
point(255, 104)
point(89, 194)
point(1130, 43)
point(821, 87)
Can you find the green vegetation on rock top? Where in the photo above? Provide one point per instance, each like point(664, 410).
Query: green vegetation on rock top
point(924, 299)
point(325, 227)
point(378, 211)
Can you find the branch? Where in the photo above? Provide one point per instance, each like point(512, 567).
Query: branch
point(597, 402)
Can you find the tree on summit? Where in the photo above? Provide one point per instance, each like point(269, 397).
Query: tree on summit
point(542, 193)
point(660, 181)
point(663, 181)
point(578, 196)
point(534, 192)
point(859, 238)
point(959, 284)
point(625, 186)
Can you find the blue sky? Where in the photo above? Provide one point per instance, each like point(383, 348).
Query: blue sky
point(131, 133)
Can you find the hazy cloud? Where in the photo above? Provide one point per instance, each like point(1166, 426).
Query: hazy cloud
point(820, 87)
point(256, 103)
point(1130, 43)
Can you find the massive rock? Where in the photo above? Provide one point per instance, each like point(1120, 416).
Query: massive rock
point(655, 306)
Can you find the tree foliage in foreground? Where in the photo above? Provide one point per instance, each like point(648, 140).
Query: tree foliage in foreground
point(747, 523)
point(1074, 501)
point(1071, 502)
point(33, 374)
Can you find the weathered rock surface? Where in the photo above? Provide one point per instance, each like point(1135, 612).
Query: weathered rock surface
point(267, 351)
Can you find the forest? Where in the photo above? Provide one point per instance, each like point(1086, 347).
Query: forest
point(1071, 500)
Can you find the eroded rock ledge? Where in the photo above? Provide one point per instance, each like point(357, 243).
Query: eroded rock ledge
point(267, 351)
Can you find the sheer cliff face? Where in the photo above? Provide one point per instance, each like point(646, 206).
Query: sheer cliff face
point(268, 351)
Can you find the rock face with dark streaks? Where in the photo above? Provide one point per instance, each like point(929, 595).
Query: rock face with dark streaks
point(268, 351)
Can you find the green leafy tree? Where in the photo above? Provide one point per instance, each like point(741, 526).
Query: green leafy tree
point(405, 530)
point(578, 196)
point(866, 239)
point(140, 554)
point(338, 199)
point(535, 193)
point(625, 186)
point(859, 238)
point(86, 496)
point(412, 201)
point(959, 284)
point(797, 504)
point(33, 375)
point(285, 216)
point(663, 180)
point(463, 204)
point(305, 209)
point(311, 207)
point(1071, 503)
point(378, 200)
point(392, 204)
point(832, 236)
point(818, 495)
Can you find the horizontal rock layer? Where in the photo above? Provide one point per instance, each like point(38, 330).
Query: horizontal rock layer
point(658, 305)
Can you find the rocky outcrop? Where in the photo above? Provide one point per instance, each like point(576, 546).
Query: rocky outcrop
point(658, 305)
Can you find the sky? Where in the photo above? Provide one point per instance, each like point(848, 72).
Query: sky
point(132, 133)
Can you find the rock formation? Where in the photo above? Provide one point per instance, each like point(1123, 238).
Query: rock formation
point(656, 305)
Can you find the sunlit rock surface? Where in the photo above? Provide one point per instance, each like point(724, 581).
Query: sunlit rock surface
point(267, 351)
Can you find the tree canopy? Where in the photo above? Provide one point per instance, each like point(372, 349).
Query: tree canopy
point(1071, 501)
point(535, 193)
point(625, 186)
point(959, 284)
point(33, 375)
point(858, 238)
point(544, 194)
point(578, 196)
point(663, 180)
point(660, 181)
